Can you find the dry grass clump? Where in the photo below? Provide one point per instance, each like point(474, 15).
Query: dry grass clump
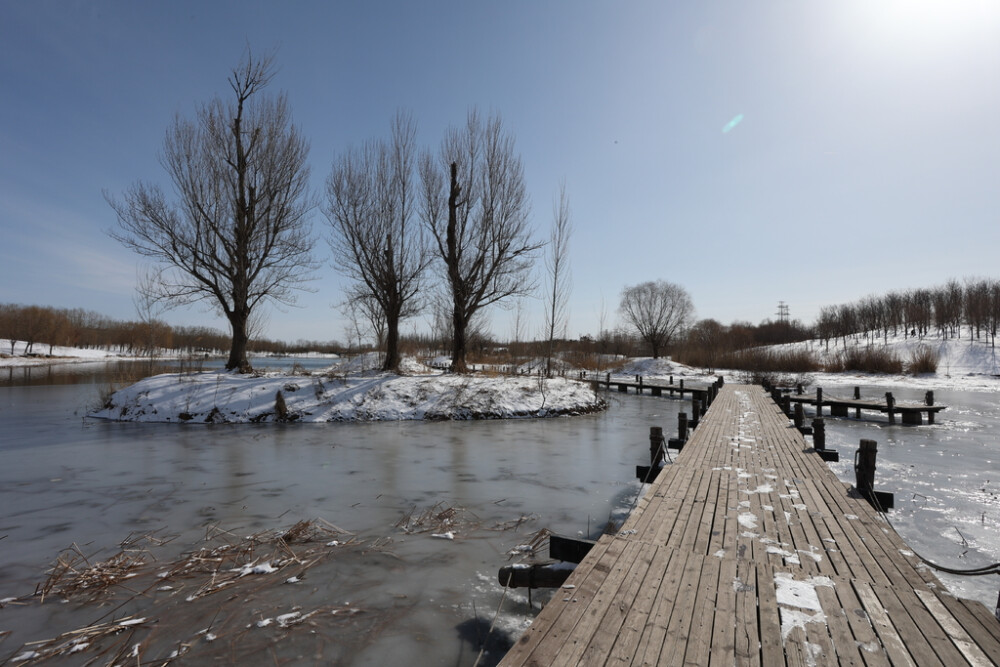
point(769, 360)
point(133, 577)
point(866, 360)
point(439, 519)
point(923, 359)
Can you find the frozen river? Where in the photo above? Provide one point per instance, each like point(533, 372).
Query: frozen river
point(65, 481)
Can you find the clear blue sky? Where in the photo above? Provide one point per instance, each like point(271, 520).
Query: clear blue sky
point(866, 158)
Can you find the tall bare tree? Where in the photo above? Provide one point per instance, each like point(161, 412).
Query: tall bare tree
point(377, 241)
point(557, 265)
point(237, 232)
point(658, 311)
point(476, 208)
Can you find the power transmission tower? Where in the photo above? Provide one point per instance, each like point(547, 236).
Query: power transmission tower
point(783, 312)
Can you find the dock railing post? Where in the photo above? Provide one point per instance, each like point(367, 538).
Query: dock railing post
point(786, 405)
point(798, 416)
point(819, 401)
point(864, 468)
point(682, 426)
point(890, 403)
point(857, 397)
point(695, 411)
point(929, 400)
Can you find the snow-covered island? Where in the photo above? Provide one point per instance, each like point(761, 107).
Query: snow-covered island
point(335, 395)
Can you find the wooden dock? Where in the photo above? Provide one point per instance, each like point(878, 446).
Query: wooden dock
point(910, 413)
point(640, 385)
point(748, 550)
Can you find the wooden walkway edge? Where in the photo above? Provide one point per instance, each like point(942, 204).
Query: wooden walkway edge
point(749, 551)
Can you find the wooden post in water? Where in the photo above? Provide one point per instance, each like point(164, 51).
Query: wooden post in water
point(682, 387)
point(819, 434)
point(786, 405)
point(929, 400)
point(819, 401)
point(864, 468)
point(682, 427)
point(798, 416)
point(695, 411)
point(671, 380)
point(655, 446)
point(890, 403)
point(857, 397)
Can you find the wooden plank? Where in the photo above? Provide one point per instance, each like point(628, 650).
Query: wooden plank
point(890, 639)
point(963, 642)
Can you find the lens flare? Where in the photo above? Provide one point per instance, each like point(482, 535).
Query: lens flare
point(733, 123)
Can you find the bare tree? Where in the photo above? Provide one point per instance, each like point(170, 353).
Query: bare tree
point(237, 233)
point(376, 240)
point(658, 311)
point(475, 207)
point(557, 265)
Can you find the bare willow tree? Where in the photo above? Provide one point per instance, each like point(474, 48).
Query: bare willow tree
point(476, 208)
point(658, 311)
point(237, 232)
point(557, 265)
point(377, 240)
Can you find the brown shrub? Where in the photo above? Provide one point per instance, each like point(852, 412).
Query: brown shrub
point(923, 359)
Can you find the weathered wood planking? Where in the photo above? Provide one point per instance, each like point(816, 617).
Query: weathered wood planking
point(748, 551)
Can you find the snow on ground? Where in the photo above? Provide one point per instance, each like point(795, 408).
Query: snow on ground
point(224, 397)
point(964, 364)
point(58, 355)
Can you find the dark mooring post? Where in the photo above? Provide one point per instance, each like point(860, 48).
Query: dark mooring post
point(929, 401)
point(819, 434)
point(655, 446)
point(857, 393)
point(786, 405)
point(819, 401)
point(890, 403)
point(682, 432)
point(695, 411)
point(864, 468)
point(798, 416)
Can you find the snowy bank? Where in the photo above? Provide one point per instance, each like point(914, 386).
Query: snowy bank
point(224, 397)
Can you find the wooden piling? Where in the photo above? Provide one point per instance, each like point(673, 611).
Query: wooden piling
point(864, 468)
point(890, 403)
point(655, 446)
point(819, 401)
point(819, 434)
point(798, 416)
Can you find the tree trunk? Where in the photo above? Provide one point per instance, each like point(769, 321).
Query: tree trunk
point(391, 363)
point(238, 349)
point(458, 319)
point(459, 344)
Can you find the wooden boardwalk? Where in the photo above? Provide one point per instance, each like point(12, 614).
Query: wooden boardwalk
point(748, 551)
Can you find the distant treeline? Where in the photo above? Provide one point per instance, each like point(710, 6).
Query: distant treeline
point(42, 328)
point(943, 310)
